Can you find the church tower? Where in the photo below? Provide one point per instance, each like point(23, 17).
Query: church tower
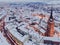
point(50, 27)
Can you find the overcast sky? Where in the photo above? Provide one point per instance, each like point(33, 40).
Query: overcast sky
point(52, 1)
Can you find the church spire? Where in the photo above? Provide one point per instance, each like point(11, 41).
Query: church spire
point(50, 27)
point(51, 17)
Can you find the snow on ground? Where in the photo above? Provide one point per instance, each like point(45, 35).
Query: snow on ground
point(3, 40)
point(21, 16)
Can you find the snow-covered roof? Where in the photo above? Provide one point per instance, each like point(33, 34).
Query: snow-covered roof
point(54, 39)
point(24, 14)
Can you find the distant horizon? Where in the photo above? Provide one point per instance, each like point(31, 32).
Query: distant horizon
point(30, 1)
point(20, 1)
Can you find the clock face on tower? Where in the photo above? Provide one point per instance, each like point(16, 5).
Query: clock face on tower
point(51, 20)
